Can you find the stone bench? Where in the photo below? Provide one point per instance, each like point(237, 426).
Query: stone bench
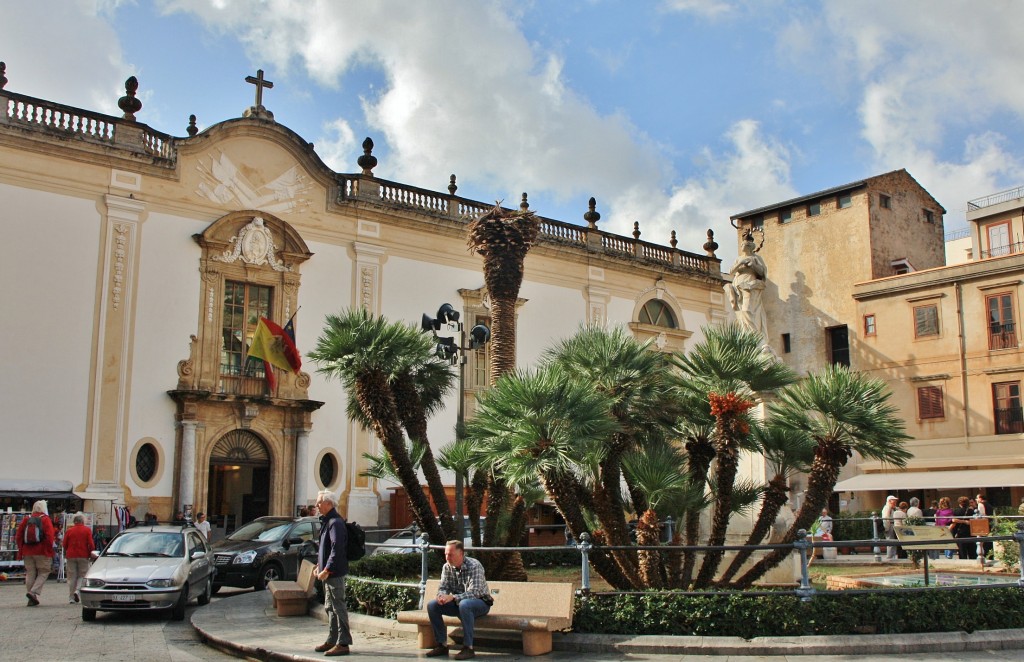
point(536, 609)
point(292, 598)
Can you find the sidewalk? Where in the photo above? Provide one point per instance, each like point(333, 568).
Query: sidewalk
point(247, 625)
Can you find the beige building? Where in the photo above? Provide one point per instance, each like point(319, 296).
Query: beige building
point(864, 283)
point(138, 264)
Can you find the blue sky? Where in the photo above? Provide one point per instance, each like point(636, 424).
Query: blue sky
point(673, 113)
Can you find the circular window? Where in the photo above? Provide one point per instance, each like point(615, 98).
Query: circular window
point(328, 470)
point(146, 460)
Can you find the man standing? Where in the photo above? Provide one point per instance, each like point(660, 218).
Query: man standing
point(35, 536)
point(464, 593)
point(887, 522)
point(331, 567)
point(78, 545)
point(203, 525)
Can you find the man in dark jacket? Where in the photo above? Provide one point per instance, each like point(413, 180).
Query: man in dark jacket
point(331, 567)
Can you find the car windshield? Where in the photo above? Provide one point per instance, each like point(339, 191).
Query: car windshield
point(264, 531)
point(146, 543)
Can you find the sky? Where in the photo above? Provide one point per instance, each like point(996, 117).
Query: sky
point(675, 114)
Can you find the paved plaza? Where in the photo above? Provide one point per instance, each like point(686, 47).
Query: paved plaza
point(244, 623)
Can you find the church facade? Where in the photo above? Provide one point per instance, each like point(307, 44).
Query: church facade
point(139, 264)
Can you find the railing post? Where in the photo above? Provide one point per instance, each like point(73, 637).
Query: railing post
point(584, 547)
point(874, 536)
point(1018, 535)
point(805, 590)
point(424, 550)
point(668, 528)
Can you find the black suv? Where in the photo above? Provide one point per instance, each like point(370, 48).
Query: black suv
point(264, 549)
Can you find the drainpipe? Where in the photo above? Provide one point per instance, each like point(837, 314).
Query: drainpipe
point(963, 360)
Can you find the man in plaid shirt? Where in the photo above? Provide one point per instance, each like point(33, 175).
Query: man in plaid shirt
point(463, 593)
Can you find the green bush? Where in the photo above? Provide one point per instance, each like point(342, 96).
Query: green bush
point(852, 526)
point(551, 558)
point(395, 566)
point(662, 613)
point(379, 599)
point(1006, 552)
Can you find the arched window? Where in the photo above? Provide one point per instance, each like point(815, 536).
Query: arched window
point(328, 470)
point(146, 460)
point(657, 313)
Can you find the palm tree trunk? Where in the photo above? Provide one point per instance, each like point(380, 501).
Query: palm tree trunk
point(648, 532)
point(375, 399)
point(727, 459)
point(774, 498)
point(700, 453)
point(824, 473)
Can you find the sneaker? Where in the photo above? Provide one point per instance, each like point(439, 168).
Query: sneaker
point(438, 651)
point(465, 654)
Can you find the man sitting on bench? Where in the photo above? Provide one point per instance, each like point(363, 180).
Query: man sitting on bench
point(463, 593)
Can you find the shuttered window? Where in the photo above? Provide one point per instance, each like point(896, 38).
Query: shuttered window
point(929, 402)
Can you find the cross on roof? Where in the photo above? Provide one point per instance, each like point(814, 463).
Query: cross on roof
point(260, 83)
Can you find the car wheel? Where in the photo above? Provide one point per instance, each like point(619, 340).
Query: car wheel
point(215, 589)
point(178, 610)
point(204, 597)
point(88, 615)
point(269, 573)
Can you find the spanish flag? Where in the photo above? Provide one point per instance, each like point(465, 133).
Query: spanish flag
point(274, 346)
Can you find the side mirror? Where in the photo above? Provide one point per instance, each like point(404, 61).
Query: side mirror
point(94, 554)
point(198, 554)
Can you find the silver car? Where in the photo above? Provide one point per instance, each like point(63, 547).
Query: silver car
point(151, 567)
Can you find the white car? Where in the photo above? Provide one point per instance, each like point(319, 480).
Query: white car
point(149, 567)
point(400, 543)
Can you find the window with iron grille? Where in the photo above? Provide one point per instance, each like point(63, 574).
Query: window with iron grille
point(929, 402)
point(146, 462)
point(328, 470)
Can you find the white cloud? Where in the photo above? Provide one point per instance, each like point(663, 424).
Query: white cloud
point(337, 145)
point(710, 9)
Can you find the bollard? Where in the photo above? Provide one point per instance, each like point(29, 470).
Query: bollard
point(424, 573)
point(584, 547)
point(668, 529)
point(874, 535)
point(805, 590)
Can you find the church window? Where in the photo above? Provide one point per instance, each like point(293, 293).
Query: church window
point(328, 470)
point(929, 402)
point(244, 305)
point(146, 459)
point(657, 313)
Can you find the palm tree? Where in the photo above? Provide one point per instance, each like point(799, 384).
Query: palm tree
point(696, 427)
point(502, 238)
point(733, 369)
point(844, 413)
point(544, 424)
point(786, 452)
point(367, 354)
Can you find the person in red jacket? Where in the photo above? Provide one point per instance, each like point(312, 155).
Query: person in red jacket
point(78, 547)
point(36, 549)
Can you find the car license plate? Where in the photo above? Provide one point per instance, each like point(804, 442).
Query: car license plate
point(124, 597)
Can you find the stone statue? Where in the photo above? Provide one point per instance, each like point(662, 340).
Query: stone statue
point(749, 273)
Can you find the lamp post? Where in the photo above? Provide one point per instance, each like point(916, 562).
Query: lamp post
point(452, 349)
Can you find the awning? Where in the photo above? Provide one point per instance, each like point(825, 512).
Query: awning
point(27, 488)
point(932, 480)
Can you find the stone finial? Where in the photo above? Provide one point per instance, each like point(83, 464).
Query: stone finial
point(3, 78)
point(368, 161)
point(636, 230)
point(592, 217)
point(710, 246)
point(129, 103)
point(452, 186)
point(672, 241)
point(192, 128)
point(524, 204)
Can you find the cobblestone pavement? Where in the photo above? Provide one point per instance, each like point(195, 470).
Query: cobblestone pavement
point(55, 632)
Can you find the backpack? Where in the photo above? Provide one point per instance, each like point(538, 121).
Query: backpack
point(355, 549)
point(34, 531)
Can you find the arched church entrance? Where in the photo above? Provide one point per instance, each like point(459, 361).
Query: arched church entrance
point(239, 483)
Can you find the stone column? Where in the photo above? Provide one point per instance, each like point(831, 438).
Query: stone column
point(187, 469)
point(302, 489)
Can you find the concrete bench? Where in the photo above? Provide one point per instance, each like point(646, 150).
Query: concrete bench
point(536, 609)
point(292, 598)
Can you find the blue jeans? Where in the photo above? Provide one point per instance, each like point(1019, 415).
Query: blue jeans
point(467, 610)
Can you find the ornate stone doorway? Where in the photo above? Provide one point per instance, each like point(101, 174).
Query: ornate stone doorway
point(239, 481)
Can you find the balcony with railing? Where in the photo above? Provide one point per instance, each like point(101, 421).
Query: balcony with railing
point(996, 198)
point(1002, 251)
point(242, 385)
point(1010, 421)
point(1002, 336)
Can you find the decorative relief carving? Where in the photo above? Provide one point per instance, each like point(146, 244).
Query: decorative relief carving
point(187, 366)
point(254, 245)
point(120, 239)
point(222, 182)
point(302, 380)
point(209, 305)
point(366, 282)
